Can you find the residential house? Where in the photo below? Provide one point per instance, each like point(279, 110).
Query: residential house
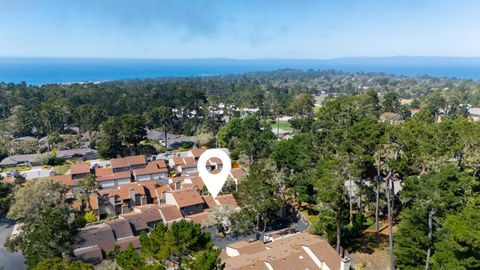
point(68, 181)
point(196, 153)
point(143, 219)
point(156, 170)
point(295, 251)
point(227, 199)
point(128, 163)
point(122, 199)
point(236, 174)
point(199, 218)
point(188, 201)
point(16, 160)
point(79, 171)
point(170, 214)
point(113, 180)
point(184, 166)
point(77, 153)
point(93, 243)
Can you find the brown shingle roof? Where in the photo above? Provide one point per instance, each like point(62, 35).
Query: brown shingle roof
point(99, 171)
point(120, 227)
point(283, 249)
point(150, 212)
point(248, 247)
point(89, 255)
point(170, 213)
point(227, 199)
point(124, 243)
point(187, 197)
point(113, 176)
point(209, 201)
point(236, 173)
point(160, 163)
point(80, 169)
point(299, 260)
point(189, 162)
point(150, 169)
point(136, 219)
point(198, 182)
point(326, 253)
point(128, 161)
point(196, 152)
point(66, 180)
point(199, 218)
point(100, 235)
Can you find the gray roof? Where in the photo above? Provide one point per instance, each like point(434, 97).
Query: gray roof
point(24, 139)
point(77, 151)
point(12, 160)
point(474, 111)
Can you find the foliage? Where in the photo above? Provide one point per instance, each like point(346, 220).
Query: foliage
point(48, 224)
point(61, 264)
point(183, 244)
point(121, 135)
point(90, 217)
point(247, 136)
point(6, 194)
point(459, 241)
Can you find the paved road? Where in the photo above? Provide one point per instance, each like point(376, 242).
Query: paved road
point(8, 260)
point(299, 225)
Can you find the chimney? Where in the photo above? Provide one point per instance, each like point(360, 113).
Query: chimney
point(111, 199)
point(345, 264)
point(131, 195)
point(162, 198)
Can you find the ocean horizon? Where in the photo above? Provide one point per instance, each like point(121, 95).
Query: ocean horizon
point(39, 71)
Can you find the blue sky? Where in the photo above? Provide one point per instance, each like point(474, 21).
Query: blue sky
point(239, 29)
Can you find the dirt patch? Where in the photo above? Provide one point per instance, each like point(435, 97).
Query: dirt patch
point(378, 260)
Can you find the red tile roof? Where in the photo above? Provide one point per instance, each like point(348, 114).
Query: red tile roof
point(227, 199)
point(150, 169)
point(196, 152)
point(80, 169)
point(99, 171)
point(198, 182)
point(113, 176)
point(170, 212)
point(160, 163)
point(199, 218)
point(187, 197)
point(128, 161)
point(209, 201)
point(66, 180)
point(236, 173)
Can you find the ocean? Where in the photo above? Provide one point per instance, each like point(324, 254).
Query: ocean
point(38, 71)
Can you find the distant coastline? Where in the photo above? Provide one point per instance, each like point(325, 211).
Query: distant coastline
point(38, 71)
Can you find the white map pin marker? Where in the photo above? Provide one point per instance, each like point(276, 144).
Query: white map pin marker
point(214, 182)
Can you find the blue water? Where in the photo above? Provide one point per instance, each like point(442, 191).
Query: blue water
point(39, 71)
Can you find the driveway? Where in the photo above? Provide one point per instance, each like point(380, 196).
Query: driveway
point(298, 224)
point(8, 260)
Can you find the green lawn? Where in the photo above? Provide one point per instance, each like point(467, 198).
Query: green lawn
point(61, 169)
point(18, 168)
point(284, 125)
